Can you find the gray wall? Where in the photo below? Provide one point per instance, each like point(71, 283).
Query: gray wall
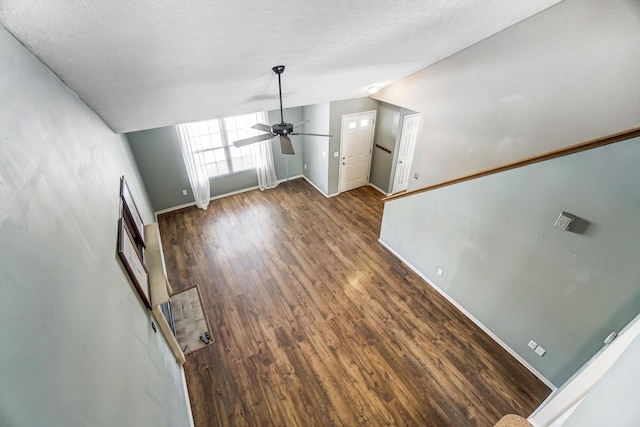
point(566, 75)
point(157, 153)
point(316, 149)
point(337, 110)
point(77, 348)
point(507, 265)
point(388, 132)
point(158, 156)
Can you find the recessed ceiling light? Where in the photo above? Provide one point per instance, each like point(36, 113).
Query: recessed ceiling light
point(372, 90)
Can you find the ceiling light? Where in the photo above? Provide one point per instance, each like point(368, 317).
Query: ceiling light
point(372, 90)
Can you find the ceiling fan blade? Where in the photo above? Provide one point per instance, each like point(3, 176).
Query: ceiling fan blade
point(312, 134)
point(260, 126)
point(286, 146)
point(300, 124)
point(253, 139)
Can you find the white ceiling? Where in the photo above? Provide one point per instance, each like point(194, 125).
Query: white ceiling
point(142, 64)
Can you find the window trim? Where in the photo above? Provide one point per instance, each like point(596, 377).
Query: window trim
point(227, 145)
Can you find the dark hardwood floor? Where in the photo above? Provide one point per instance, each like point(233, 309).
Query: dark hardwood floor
point(316, 324)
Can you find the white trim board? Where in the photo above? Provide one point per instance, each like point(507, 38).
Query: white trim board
point(526, 364)
point(338, 193)
point(219, 196)
point(379, 189)
point(317, 188)
point(186, 395)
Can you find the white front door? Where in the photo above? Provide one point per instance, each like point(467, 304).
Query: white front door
point(356, 140)
point(409, 133)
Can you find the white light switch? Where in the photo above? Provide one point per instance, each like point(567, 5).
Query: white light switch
point(324, 153)
point(540, 351)
point(184, 192)
point(532, 344)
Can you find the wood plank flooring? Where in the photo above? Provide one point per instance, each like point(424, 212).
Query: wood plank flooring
point(316, 324)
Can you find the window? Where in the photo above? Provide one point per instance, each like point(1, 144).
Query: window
point(213, 143)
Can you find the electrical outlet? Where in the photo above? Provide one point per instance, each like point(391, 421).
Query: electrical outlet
point(305, 166)
point(184, 192)
point(609, 339)
point(439, 271)
point(540, 351)
point(324, 153)
point(532, 344)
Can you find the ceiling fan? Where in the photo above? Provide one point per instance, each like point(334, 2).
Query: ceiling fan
point(282, 129)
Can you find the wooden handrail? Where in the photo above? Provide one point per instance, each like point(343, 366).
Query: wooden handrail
point(584, 146)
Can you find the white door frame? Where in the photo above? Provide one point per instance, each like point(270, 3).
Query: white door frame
point(399, 150)
point(340, 172)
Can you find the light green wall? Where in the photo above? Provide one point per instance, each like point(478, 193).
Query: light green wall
point(337, 110)
point(158, 156)
point(316, 151)
point(157, 153)
point(561, 77)
point(76, 344)
point(159, 159)
point(506, 263)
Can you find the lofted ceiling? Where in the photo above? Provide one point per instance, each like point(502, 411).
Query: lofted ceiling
point(143, 64)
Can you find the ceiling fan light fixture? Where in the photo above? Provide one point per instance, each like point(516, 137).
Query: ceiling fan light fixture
point(372, 90)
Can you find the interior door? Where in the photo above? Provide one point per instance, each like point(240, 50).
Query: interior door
point(409, 133)
point(356, 141)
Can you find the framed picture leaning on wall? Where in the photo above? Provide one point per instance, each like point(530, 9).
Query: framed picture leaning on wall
point(132, 261)
point(129, 211)
point(131, 244)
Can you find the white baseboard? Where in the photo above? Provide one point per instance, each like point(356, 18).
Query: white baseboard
point(549, 398)
point(379, 189)
point(219, 196)
point(186, 395)
point(291, 178)
point(319, 190)
point(171, 209)
point(526, 364)
point(335, 194)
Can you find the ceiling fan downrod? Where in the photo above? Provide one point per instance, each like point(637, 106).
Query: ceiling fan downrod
point(279, 69)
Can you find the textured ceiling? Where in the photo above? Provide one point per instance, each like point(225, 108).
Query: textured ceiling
point(142, 64)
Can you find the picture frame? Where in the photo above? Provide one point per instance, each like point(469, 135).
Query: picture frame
point(130, 212)
point(130, 256)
